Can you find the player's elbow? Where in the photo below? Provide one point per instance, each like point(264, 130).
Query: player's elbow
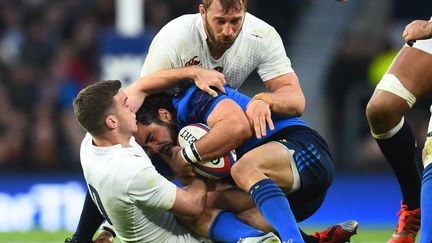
point(293, 107)
point(299, 108)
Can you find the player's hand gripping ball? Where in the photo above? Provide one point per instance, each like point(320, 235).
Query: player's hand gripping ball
point(214, 169)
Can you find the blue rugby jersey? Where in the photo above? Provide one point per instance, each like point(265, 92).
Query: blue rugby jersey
point(194, 106)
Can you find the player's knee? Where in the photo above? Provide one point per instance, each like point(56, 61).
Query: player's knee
point(236, 170)
point(242, 173)
point(378, 111)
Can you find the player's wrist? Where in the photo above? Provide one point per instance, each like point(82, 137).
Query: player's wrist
point(107, 231)
point(190, 154)
point(193, 72)
point(263, 97)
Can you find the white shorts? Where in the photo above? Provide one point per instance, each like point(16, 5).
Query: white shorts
point(296, 176)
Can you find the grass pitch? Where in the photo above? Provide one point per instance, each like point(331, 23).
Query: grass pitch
point(366, 235)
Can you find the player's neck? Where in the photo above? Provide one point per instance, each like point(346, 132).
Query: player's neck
point(111, 140)
point(216, 51)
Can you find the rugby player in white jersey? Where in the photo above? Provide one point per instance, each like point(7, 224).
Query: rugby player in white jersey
point(133, 197)
point(408, 78)
point(120, 176)
point(224, 37)
point(160, 81)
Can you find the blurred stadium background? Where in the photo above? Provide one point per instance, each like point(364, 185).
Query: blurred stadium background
point(51, 49)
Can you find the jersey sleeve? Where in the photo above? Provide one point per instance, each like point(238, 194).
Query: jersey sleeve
point(158, 57)
point(151, 190)
point(195, 105)
point(274, 61)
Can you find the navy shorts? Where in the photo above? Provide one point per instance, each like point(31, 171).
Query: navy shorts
point(314, 164)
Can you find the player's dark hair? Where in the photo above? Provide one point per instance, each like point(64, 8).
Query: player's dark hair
point(227, 4)
point(148, 113)
point(94, 103)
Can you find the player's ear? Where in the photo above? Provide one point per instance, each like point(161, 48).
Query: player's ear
point(165, 115)
point(202, 11)
point(111, 122)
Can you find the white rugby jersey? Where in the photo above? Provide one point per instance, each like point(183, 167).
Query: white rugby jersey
point(182, 42)
point(131, 194)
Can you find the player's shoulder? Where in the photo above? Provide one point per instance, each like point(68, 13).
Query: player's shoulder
point(126, 165)
point(130, 158)
point(181, 26)
point(255, 21)
point(182, 32)
point(257, 29)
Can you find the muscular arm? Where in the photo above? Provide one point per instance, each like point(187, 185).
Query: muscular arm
point(285, 98)
point(229, 128)
point(162, 80)
point(189, 204)
point(286, 95)
point(149, 190)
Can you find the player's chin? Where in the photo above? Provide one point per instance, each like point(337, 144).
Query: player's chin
point(135, 127)
point(226, 42)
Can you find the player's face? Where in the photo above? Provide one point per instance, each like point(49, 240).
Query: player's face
point(222, 26)
point(127, 120)
point(159, 138)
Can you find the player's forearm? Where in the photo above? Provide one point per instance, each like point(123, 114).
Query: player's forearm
point(229, 128)
point(222, 138)
point(194, 204)
point(157, 82)
point(161, 80)
point(287, 102)
point(198, 188)
point(285, 95)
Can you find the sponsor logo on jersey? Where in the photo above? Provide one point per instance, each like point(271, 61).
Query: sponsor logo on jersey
point(195, 61)
point(219, 69)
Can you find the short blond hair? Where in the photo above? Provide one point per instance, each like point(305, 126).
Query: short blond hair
point(227, 4)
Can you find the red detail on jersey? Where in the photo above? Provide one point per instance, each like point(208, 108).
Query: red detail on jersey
point(193, 62)
point(219, 69)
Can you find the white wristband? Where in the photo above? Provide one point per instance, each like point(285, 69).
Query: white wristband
point(190, 154)
point(107, 227)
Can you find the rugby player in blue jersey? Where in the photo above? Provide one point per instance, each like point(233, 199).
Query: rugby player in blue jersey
point(286, 171)
point(300, 165)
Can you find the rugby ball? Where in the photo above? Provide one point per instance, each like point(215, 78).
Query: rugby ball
point(217, 168)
